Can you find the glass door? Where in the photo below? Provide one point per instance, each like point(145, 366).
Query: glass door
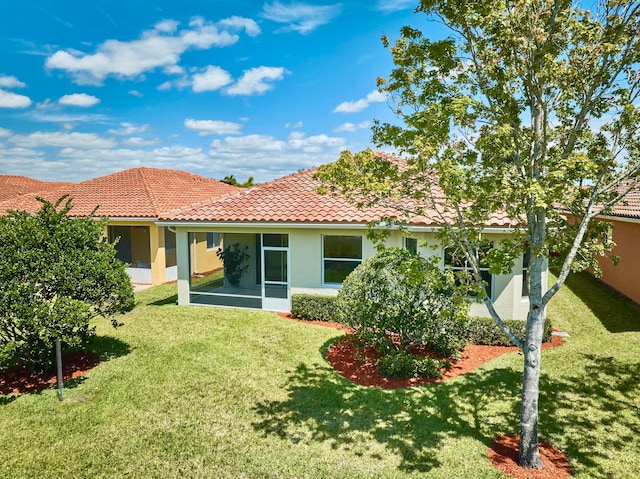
point(275, 272)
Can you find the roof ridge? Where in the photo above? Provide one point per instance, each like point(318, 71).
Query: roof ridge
point(149, 191)
point(206, 202)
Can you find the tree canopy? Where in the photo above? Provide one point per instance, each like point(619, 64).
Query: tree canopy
point(528, 108)
point(56, 273)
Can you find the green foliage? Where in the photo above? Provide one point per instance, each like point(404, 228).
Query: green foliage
point(231, 180)
point(403, 365)
point(313, 308)
point(396, 300)
point(56, 273)
point(485, 331)
point(233, 258)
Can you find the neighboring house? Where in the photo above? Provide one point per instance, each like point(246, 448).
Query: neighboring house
point(132, 200)
point(299, 241)
point(12, 186)
point(625, 276)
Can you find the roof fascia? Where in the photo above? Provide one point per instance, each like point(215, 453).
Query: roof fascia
point(283, 225)
point(619, 218)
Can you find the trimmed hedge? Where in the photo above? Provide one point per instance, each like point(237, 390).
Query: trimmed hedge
point(474, 330)
point(313, 308)
point(486, 331)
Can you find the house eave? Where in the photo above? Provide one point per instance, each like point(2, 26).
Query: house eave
point(624, 219)
point(209, 225)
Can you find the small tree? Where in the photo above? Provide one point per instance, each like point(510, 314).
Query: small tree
point(528, 108)
point(234, 259)
point(56, 274)
point(396, 300)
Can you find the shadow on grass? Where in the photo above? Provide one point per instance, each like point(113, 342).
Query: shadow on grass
point(616, 313)
point(107, 347)
point(595, 411)
point(169, 300)
point(414, 423)
point(411, 423)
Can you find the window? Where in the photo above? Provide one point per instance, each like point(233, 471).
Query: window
point(526, 258)
point(457, 262)
point(411, 245)
point(340, 256)
point(169, 248)
point(133, 245)
point(213, 240)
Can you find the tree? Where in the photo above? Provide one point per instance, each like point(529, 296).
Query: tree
point(231, 180)
point(528, 107)
point(56, 274)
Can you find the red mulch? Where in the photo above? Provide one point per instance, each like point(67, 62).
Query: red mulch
point(358, 364)
point(503, 454)
point(18, 379)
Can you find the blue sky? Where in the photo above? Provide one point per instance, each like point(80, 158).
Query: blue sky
point(240, 87)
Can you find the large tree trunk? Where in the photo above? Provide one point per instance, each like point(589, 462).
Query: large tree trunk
point(529, 455)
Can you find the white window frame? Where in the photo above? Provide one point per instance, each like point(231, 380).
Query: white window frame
point(468, 268)
point(215, 246)
point(324, 259)
point(525, 276)
point(405, 239)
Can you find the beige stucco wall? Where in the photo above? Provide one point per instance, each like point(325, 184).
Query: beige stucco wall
point(305, 250)
point(624, 277)
point(148, 246)
point(204, 260)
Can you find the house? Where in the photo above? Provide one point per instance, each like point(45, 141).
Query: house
point(12, 186)
point(625, 276)
point(132, 200)
point(298, 241)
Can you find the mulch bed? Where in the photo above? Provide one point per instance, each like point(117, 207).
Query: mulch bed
point(358, 364)
point(18, 379)
point(503, 454)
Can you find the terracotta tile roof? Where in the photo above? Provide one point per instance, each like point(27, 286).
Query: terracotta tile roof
point(630, 207)
point(292, 199)
point(12, 186)
point(134, 193)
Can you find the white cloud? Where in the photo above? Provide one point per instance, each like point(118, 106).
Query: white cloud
point(265, 157)
point(355, 106)
point(300, 17)
point(8, 99)
point(390, 6)
point(79, 99)
point(213, 78)
point(48, 115)
point(250, 27)
point(160, 47)
point(351, 127)
point(293, 125)
point(4, 132)
point(129, 129)
point(256, 80)
point(135, 93)
point(139, 142)
point(62, 140)
point(11, 82)
point(213, 127)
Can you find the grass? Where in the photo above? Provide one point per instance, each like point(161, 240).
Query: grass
point(197, 392)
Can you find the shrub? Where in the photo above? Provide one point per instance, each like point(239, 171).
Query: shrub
point(313, 308)
point(396, 299)
point(486, 331)
point(56, 273)
point(402, 365)
point(233, 258)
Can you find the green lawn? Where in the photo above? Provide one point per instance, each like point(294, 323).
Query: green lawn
point(196, 392)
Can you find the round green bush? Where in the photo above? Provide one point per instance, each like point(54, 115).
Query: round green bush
point(396, 300)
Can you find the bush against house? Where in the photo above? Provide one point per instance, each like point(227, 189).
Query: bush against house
point(396, 300)
point(56, 274)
